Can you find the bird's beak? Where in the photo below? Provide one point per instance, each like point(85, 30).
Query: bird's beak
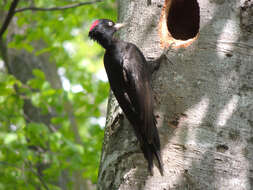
point(118, 26)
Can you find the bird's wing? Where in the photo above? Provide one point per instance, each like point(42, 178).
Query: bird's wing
point(137, 79)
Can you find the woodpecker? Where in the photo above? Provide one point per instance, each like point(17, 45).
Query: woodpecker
point(130, 80)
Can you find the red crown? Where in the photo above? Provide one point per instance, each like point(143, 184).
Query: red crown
point(95, 23)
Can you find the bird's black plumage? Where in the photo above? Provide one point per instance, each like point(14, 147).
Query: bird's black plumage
point(129, 78)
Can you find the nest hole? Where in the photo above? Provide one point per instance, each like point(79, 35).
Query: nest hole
point(183, 19)
point(179, 22)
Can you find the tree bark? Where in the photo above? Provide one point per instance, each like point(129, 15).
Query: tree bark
point(204, 103)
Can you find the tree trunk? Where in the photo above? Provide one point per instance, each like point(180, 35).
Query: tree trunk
point(204, 100)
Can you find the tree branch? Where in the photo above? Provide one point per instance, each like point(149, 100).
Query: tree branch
point(8, 18)
point(36, 173)
point(14, 4)
point(57, 8)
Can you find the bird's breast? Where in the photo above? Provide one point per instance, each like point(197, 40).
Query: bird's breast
point(114, 70)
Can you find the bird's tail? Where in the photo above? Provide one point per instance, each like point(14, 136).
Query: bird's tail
point(151, 150)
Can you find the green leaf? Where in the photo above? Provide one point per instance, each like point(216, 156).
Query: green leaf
point(9, 138)
point(52, 141)
point(36, 99)
point(39, 74)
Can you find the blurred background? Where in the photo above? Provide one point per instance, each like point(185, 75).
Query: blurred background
point(53, 95)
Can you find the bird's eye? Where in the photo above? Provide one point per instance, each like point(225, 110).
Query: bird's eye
point(110, 23)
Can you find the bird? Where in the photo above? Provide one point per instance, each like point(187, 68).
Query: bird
point(129, 77)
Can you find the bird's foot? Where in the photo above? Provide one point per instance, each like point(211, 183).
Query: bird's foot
point(154, 64)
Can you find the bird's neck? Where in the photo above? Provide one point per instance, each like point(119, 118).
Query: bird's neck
point(106, 41)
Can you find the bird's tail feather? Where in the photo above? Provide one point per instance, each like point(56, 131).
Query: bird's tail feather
point(150, 150)
point(158, 157)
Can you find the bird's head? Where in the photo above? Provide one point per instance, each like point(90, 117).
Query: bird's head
point(103, 29)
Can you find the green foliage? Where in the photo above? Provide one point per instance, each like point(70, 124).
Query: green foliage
point(26, 143)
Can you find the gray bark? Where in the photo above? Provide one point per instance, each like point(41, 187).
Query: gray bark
point(204, 104)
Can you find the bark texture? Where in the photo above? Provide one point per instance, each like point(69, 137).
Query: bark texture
point(204, 104)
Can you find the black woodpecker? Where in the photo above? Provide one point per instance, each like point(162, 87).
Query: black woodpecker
point(129, 77)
